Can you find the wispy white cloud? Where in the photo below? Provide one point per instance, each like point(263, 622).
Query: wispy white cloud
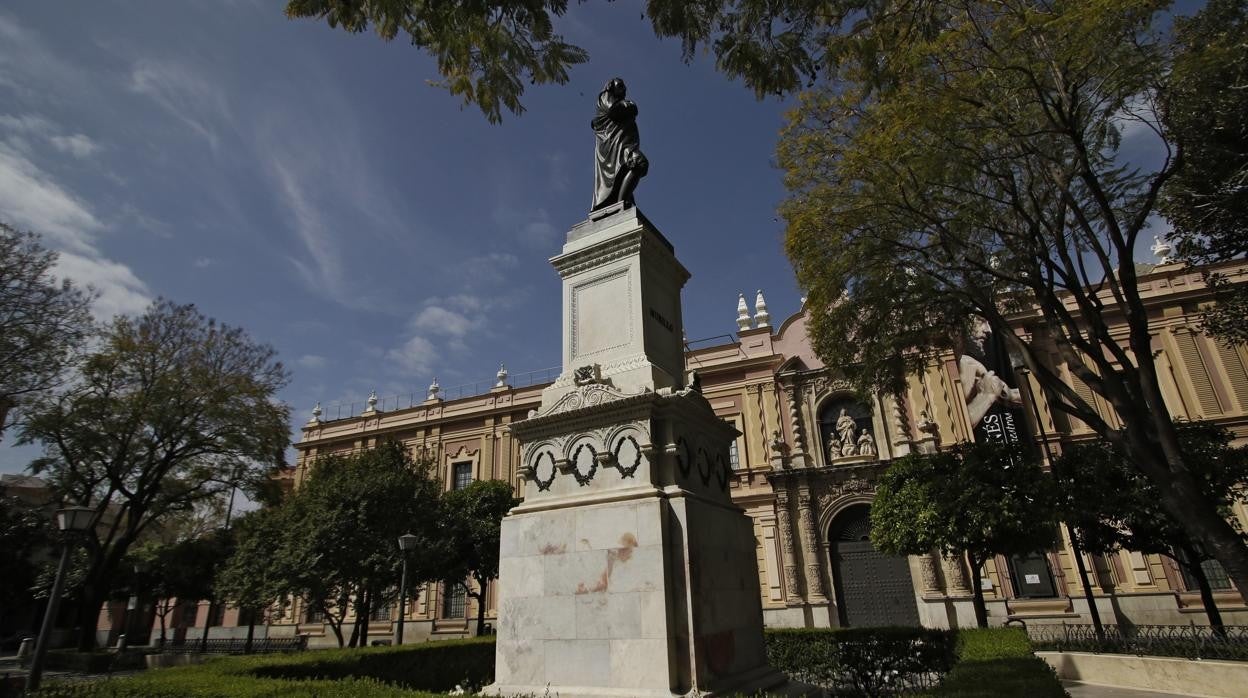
point(31, 199)
point(417, 356)
point(78, 145)
point(312, 361)
point(32, 69)
point(120, 291)
point(438, 320)
point(530, 226)
point(203, 262)
point(27, 123)
point(188, 97)
point(322, 267)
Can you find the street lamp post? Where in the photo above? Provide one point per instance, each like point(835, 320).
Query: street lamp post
point(407, 543)
point(71, 521)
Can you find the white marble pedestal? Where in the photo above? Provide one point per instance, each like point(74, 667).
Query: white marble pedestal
point(627, 571)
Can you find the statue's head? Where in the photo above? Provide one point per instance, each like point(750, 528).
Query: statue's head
point(616, 88)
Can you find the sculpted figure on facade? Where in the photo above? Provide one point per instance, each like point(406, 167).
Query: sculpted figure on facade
point(866, 444)
point(845, 430)
point(834, 446)
point(618, 161)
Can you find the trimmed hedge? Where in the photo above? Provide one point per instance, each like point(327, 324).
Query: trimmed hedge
point(97, 662)
point(856, 661)
point(998, 662)
point(408, 671)
point(870, 661)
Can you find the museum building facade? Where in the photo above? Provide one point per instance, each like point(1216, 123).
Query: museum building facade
point(804, 468)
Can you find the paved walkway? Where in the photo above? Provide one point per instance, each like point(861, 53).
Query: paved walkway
point(1078, 689)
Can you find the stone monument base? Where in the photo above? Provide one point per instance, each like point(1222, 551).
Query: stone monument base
point(602, 591)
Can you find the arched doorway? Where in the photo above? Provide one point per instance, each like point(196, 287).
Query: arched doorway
point(872, 588)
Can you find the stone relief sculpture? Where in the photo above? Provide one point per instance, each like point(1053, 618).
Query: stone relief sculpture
point(618, 161)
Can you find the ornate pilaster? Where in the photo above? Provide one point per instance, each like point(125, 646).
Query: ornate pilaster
point(928, 575)
point(787, 551)
point(805, 516)
point(795, 422)
point(955, 574)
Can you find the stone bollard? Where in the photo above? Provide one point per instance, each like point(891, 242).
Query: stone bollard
point(25, 650)
point(121, 643)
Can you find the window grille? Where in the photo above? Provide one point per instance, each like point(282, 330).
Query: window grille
point(453, 600)
point(461, 475)
point(1214, 572)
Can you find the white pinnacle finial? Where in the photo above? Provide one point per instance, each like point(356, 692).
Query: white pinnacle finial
point(743, 313)
point(501, 376)
point(1162, 249)
point(762, 318)
point(434, 389)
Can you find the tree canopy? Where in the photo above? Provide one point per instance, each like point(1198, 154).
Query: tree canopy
point(1207, 200)
point(170, 410)
point(44, 322)
point(965, 165)
point(472, 525)
point(337, 537)
point(981, 499)
point(1110, 506)
point(175, 572)
point(25, 532)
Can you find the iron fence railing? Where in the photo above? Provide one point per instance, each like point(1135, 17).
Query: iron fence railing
point(259, 645)
point(347, 410)
point(1188, 641)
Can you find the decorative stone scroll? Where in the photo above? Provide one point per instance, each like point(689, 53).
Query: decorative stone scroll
point(586, 395)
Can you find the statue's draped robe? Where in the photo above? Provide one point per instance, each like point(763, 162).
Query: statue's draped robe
point(618, 148)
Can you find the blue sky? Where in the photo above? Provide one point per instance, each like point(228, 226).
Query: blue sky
point(307, 185)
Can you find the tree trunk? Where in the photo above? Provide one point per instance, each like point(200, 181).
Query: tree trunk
point(1192, 564)
point(91, 598)
point(203, 640)
point(482, 586)
point(363, 618)
point(336, 627)
point(355, 632)
point(251, 632)
point(977, 593)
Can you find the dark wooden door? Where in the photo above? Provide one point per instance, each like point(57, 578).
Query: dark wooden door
point(872, 588)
